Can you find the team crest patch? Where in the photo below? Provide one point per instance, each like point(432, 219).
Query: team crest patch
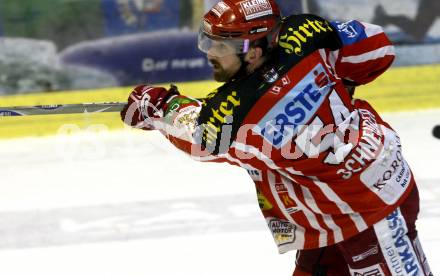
point(256, 8)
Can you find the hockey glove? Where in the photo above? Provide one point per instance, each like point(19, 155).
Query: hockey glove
point(146, 104)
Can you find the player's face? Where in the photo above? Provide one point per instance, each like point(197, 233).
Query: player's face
point(225, 66)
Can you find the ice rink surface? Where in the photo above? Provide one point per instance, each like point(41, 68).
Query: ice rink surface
point(126, 203)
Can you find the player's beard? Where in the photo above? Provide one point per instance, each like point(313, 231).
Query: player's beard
point(220, 73)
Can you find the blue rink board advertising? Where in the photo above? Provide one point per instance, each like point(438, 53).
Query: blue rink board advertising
point(155, 57)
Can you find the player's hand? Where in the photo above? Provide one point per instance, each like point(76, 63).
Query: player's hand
point(145, 105)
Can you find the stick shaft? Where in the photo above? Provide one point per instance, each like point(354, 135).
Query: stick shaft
point(61, 109)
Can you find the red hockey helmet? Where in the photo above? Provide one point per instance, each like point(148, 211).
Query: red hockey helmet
point(231, 25)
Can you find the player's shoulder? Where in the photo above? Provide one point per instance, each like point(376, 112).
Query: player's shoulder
point(223, 89)
point(306, 21)
point(302, 34)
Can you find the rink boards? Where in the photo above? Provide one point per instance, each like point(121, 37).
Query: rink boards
point(399, 89)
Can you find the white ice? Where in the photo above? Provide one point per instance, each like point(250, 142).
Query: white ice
point(85, 205)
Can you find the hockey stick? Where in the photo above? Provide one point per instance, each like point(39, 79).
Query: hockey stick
point(436, 131)
point(61, 109)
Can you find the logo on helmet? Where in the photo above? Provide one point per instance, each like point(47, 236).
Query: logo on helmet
point(220, 8)
point(256, 8)
point(207, 27)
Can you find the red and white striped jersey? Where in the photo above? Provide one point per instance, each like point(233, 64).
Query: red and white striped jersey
point(325, 166)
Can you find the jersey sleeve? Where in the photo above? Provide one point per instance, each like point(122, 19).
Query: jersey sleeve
point(366, 52)
point(179, 126)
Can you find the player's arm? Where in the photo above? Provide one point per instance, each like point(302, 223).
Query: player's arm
point(358, 52)
point(365, 52)
point(174, 115)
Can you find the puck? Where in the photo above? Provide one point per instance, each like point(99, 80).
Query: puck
point(436, 131)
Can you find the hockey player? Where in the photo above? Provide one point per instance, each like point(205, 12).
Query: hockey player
point(330, 176)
